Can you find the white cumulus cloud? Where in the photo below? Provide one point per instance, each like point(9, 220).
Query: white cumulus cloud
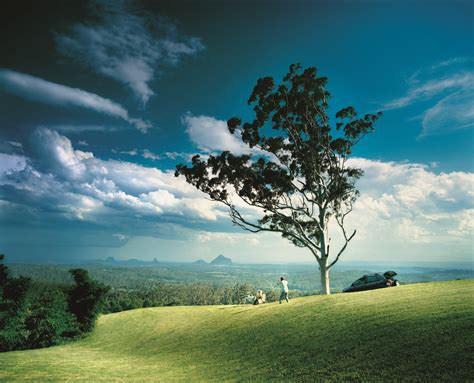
point(56, 154)
point(82, 186)
point(409, 203)
point(210, 135)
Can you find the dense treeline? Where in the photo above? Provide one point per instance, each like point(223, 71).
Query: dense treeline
point(304, 278)
point(195, 294)
point(35, 314)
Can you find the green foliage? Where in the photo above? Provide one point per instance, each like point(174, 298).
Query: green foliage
point(308, 156)
point(3, 272)
point(85, 298)
point(15, 291)
point(13, 331)
point(50, 321)
point(415, 333)
point(193, 294)
point(273, 296)
point(35, 314)
point(13, 311)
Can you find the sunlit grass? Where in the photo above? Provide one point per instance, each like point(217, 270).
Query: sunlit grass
point(420, 332)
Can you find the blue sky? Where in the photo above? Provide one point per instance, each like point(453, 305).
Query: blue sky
point(99, 101)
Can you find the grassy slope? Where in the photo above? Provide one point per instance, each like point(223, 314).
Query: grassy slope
point(414, 332)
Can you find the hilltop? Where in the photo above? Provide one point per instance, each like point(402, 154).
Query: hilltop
point(419, 332)
point(220, 260)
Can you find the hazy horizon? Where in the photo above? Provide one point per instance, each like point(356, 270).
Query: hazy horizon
point(341, 265)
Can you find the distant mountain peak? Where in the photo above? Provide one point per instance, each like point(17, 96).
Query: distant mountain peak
point(221, 260)
point(200, 262)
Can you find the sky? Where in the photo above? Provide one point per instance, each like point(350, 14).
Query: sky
point(99, 100)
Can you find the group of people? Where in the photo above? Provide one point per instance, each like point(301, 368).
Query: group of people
point(261, 296)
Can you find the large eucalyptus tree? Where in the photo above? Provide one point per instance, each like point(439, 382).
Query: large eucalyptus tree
point(297, 175)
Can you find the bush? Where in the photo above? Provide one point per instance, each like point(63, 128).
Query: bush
point(13, 333)
point(50, 321)
point(84, 299)
point(3, 272)
point(14, 292)
point(273, 296)
point(36, 315)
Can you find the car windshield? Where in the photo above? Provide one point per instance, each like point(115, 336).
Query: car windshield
point(359, 282)
point(371, 278)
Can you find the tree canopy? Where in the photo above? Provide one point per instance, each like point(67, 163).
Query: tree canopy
point(296, 172)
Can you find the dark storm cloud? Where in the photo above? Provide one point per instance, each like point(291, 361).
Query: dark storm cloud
point(126, 44)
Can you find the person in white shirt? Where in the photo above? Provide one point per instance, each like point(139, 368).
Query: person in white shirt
point(284, 289)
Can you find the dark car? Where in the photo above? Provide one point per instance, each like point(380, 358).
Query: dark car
point(373, 281)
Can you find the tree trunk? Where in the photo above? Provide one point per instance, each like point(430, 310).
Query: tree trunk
point(325, 279)
point(323, 266)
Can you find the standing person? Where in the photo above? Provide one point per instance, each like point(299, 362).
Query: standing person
point(284, 289)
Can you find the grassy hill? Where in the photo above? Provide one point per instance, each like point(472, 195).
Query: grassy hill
point(420, 332)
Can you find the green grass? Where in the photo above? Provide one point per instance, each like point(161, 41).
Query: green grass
point(420, 332)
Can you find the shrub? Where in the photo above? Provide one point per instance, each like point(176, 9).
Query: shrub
point(85, 298)
point(13, 333)
point(36, 315)
point(50, 321)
